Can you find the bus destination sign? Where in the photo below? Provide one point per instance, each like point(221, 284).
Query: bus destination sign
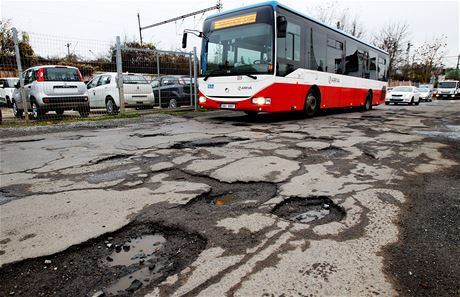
point(236, 21)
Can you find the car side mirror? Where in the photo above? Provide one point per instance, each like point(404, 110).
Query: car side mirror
point(281, 24)
point(17, 85)
point(184, 40)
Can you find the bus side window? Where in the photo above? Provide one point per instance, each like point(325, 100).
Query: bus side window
point(317, 50)
point(289, 50)
point(334, 56)
point(373, 65)
point(382, 69)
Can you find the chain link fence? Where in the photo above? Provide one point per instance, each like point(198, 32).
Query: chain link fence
point(45, 77)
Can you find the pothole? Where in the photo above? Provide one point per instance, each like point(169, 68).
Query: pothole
point(129, 262)
point(312, 210)
point(333, 151)
point(208, 142)
point(111, 158)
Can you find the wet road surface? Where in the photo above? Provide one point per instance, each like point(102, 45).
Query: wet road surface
point(347, 203)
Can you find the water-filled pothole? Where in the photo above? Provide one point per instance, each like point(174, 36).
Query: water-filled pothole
point(312, 210)
point(333, 151)
point(129, 262)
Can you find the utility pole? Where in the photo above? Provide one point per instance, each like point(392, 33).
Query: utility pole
point(68, 50)
point(458, 61)
point(140, 29)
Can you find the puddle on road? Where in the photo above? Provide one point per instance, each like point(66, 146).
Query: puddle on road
point(136, 250)
point(143, 253)
point(225, 199)
point(313, 210)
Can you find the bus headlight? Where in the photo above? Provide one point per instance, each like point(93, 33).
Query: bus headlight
point(261, 101)
point(202, 99)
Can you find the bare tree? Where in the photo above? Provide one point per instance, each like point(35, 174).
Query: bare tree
point(430, 57)
point(343, 19)
point(393, 38)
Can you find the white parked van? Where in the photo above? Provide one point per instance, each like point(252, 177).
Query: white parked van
point(448, 89)
point(103, 92)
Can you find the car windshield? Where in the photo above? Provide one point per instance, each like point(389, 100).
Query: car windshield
point(423, 90)
point(134, 79)
point(61, 74)
point(402, 89)
point(447, 85)
point(239, 50)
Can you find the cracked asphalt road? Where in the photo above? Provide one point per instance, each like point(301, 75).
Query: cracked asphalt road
point(221, 176)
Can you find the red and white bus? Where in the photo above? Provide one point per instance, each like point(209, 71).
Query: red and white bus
point(270, 58)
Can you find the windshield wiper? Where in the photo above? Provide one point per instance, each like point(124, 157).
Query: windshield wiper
point(247, 74)
point(211, 73)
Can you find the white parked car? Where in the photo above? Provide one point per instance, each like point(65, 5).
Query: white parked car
point(7, 89)
point(425, 94)
point(103, 92)
point(408, 95)
point(387, 95)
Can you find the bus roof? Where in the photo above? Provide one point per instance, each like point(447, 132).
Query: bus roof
point(275, 4)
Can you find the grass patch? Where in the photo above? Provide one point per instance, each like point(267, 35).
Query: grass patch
point(97, 118)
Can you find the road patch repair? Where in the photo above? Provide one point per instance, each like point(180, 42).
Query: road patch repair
point(220, 204)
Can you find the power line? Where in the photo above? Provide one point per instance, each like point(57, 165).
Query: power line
point(216, 7)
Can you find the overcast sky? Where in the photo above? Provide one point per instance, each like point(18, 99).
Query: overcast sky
point(94, 24)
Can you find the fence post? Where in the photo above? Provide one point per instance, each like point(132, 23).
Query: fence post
point(195, 76)
point(158, 73)
point(191, 78)
point(21, 78)
point(121, 93)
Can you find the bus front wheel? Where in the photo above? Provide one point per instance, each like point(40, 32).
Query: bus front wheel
point(311, 107)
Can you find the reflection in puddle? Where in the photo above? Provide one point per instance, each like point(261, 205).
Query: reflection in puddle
point(311, 215)
point(226, 199)
point(143, 252)
point(137, 250)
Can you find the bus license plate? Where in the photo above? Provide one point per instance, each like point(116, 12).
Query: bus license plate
point(227, 106)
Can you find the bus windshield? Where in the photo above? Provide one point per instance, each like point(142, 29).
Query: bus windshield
point(239, 50)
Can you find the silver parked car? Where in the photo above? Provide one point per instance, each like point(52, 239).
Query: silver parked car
point(425, 94)
point(51, 88)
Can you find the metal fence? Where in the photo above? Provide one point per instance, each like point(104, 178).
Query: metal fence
point(45, 77)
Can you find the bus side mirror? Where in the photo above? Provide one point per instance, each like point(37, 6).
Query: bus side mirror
point(184, 40)
point(281, 24)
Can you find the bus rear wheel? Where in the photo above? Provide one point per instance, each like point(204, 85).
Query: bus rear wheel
point(368, 103)
point(311, 107)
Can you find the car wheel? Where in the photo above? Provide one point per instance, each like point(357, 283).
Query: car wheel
point(387, 103)
point(60, 112)
point(172, 103)
point(16, 111)
point(111, 107)
point(8, 101)
point(37, 113)
point(411, 101)
point(418, 102)
point(311, 106)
